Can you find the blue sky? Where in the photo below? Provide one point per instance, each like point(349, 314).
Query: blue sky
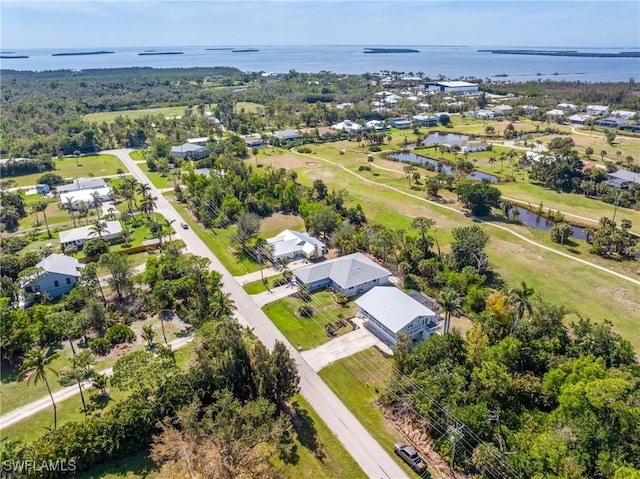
point(74, 23)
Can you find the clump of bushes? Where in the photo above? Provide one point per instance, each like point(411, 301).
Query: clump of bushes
point(375, 148)
point(364, 168)
point(305, 311)
point(305, 149)
point(119, 333)
point(100, 346)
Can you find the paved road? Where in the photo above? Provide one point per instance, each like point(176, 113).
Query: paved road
point(375, 461)
point(44, 402)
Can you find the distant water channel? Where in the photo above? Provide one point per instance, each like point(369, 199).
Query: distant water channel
point(534, 220)
point(439, 138)
point(439, 166)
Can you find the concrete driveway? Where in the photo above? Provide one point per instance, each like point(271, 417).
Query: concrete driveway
point(343, 347)
point(268, 272)
point(273, 295)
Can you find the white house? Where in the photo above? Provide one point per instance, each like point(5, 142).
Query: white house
point(473, 146)
point(389, 311)
point(529, 109)
point(376, 125)
point(461, 87)
point(567, 107)
point(342, 106)
point(79, 196)
point(425, 120)
point(290, 244)
point(502, 109)
point(352, 274)
point(82, 184)
point(624, 114)
point(579, 119)
point(254, 140)
point(56, 275)
point(286, 135)
point(347, 126)
point(189, 150)
point(78, 236)
point(555, 113)
point(597, 110)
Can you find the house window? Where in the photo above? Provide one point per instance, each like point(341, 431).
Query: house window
point(56, 283)
point(68, 280)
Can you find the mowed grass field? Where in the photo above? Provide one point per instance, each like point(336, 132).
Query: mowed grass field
point(93, 165)
point(110, 116)
point(580, 288)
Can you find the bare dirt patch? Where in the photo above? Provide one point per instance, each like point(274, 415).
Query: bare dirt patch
point(313, 164)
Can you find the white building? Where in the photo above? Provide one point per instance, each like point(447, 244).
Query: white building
point(460, 87)
point(502, 109)
point(567, 107)
point(388, 311)
point(529, 109)
point(555, 113)
point(79, 236)
point(290, 245)
point(82, 184)
point(579, 119)
point(624, 114)
point(342, 106)
point(347, 126)
point(87, 196)
point(597, 110)
point(376, 125)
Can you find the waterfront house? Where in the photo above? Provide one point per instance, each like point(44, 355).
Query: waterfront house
point(400, 123)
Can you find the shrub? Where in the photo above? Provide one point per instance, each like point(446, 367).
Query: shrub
point(14, 244)
point(50, 179)
point(375, 148)
point(119, 333)
point(304, 149)
point(305, 311)
point(95, 247)
point(364, 168)
point(340, 298)
point(100, 346)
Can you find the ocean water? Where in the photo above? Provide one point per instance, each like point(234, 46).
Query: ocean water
point(433, 61)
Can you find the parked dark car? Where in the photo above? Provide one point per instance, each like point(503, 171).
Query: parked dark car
point(185, 226)
point(411, 457)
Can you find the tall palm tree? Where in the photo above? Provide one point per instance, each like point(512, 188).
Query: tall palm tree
point(35, 366)
point(222, 305)
point(43, 207)
point(148, 204)
point(492, 161)
point(167, 226)
point(97, 228)
point(520, 299)
point(69, 205)
point(143, 189)
point(450, 303)
point(96, 202)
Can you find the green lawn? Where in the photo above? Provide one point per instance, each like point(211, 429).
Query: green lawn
point(260, 286)
point(137, 155)
point(93, 165)
point(110, 116)
point(356, 380)
point(158, 179)
point(596, 294)
point(218, 241)
point(308, 333)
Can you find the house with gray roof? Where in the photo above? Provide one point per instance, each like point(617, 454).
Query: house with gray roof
point(290, 245)
point(79, 184)
point(79, 236)
point(622, 179)
point(286, 135)
point(387, 311)
point(55, 275)
point(190, 150)
point(352, 274)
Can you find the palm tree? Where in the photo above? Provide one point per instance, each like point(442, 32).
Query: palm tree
point(148, 334)
point(43, 207)
point(35, 366)
point(100, 381)
point(492, 161)
point(148, 204)
point(143, 189)
point(97, 228)
point(222, 305)
point(96, 202)
point(69, 205)
point(520, 300)
point(167, 224)
point(450, 304)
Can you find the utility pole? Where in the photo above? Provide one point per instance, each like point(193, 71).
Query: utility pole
point(455, 434)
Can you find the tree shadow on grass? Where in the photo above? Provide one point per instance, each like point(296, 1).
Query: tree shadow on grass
point(305, 432)
point(138, 465)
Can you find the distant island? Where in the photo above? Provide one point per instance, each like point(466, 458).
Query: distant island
point(14, 56)
point(71, 54)
point(390, 50)
point(2, 52)
point(245, 50)
point(565, 53)
point(146, 53)
point(219, 48)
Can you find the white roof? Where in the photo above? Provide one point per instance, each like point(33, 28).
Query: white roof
point(85, 195)
point(187, 147)
point(203, 139)
point(392, 307)
point(341, 106)
point(555, 112)
point(84, 232)
point(597, 107)
point(347, 125)
point(456, 84)
point(82, 184)
point(625, 114)
point(61, 264)
point(291, 242)
point(347, 271)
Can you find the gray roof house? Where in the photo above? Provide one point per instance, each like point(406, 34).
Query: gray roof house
point(389, 311)
point(78, 236)
point(622, 179)
point(286, 135)
point(400, 123)
point(57, 275)
point(189, 150)
point(352, 274)
point(291, 244)
point(82, 184)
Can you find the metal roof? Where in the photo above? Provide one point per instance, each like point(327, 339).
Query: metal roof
point(84, 232)
point(61, 264)
point(346, 271)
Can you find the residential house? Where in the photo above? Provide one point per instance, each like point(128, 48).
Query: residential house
point(352, 274)
point(622, 179)
point(198, 141)
point(79, 236)
point(597, 110)
point(579, 119)
point(624, 114)
point(611, 122)
point(388, 311)
point(82, 184)
point(42, 189)
point(502, 109)
point(286, 135)
point(347, 126)
point(425, 120)
point(290, 245)
point(342, 106)
point(400, 123)
point(473, 146)
point(460, 87)
point(567, 107)
point(483, 114)
point(376, 125)
point(254, 140)
point(529, 109)
point(189, 151)
point(55, 275)
point(87, 196)
point(555, 113)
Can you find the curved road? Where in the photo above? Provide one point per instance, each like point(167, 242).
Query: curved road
point(375, 461)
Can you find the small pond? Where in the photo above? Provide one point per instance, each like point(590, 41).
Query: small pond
point(534, 220)
point(433, 138)
point(440, 167)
